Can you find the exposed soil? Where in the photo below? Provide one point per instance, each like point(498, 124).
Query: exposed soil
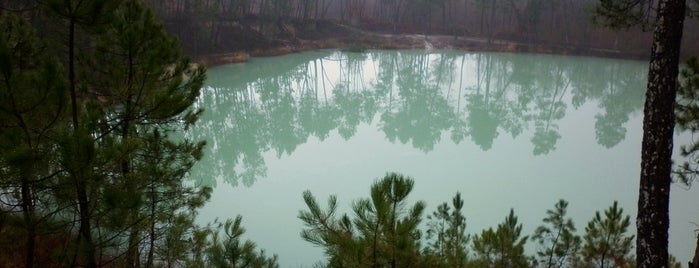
point(243, 41)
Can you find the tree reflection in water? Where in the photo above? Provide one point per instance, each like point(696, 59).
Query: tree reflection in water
point(413, 97)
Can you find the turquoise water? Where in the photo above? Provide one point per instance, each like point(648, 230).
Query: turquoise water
point(506, 130)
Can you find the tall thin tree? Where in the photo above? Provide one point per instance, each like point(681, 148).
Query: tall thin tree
point(652, 222)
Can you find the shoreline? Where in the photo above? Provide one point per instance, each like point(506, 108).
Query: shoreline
point(360, 40)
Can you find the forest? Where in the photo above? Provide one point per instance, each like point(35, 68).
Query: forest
point(94, 94)
point(572, 26)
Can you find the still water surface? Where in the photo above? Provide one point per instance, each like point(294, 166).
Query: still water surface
point(505, 130)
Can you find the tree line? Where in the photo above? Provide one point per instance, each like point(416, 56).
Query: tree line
point(206, 25)
point(386, 230)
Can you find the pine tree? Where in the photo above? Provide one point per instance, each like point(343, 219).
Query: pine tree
point(558, 243)
point(77, 20)
point(231, 251)
point(89, 131)
point(667, 19)
point(32, 105)
point(687, 111)
point(396, 225)
point(90, 117)
point(446, 235)
point(502, 247)
point(335, 235)
point(148, 90)
point(383, 233)
point(607, 243)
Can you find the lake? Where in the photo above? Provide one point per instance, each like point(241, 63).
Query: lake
point(506, 130)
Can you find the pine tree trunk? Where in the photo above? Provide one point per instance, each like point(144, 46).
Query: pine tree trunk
point(658, 125)
point(491, 24)
point(85, 231)
point(152, 238)
point(28, 211)
point(133, 258)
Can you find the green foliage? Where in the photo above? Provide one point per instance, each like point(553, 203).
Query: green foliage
point(146, 80)
point(558, 244)
point(32, 101)
point(31, 97)
point(447, 241)
point(378, 237)
point(231, 251)
point(145, 91)
point(607, 243)
point(325, 230)
point(182, 241)
point(111, 178)
point(687, 116)
point(383, 231)
point(31, 94)
point(502, 247)
point(384, 217)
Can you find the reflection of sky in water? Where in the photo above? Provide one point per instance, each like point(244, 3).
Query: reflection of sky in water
point(505, 130)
